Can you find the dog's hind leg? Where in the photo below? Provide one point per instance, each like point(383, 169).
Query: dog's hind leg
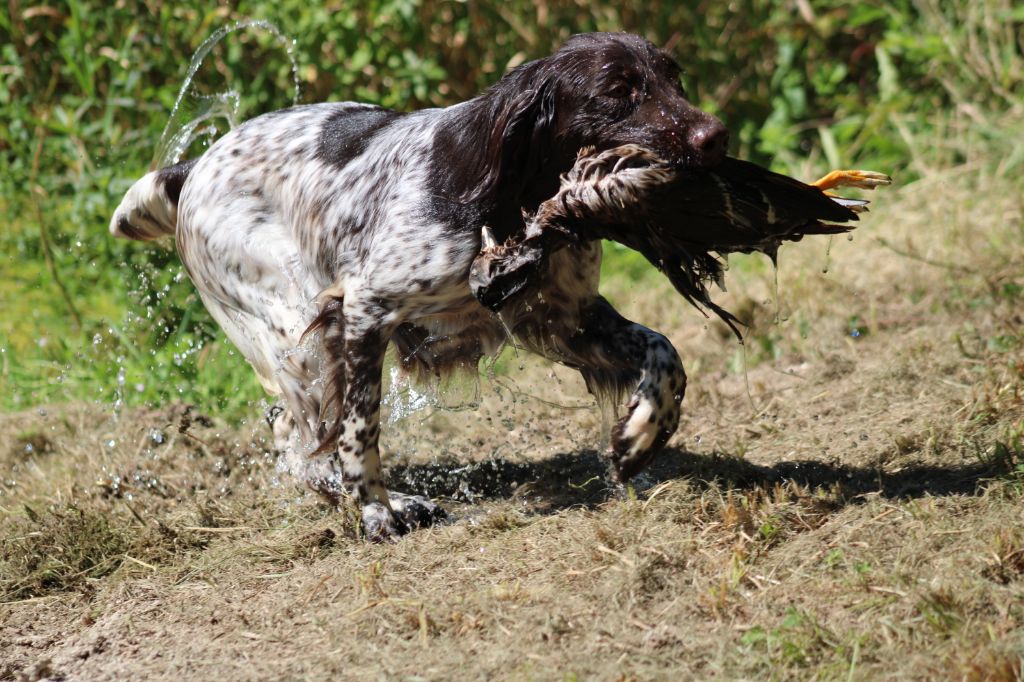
point(287, 368)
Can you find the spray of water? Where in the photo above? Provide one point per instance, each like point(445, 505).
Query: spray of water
point(192, 111)
point(402, 398)
point(828, 256)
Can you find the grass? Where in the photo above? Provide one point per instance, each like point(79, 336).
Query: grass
point(842, 500)
point(842, 507)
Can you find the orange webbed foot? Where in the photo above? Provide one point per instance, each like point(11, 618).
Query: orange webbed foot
point(852, 178)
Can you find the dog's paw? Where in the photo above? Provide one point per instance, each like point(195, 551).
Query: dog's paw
point(416, 511)
point(407, 512)
point(638, 436)
point(381, 525)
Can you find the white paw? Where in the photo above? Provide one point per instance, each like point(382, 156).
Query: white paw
point(639, 429)
point(380, 524)
point(416, 511)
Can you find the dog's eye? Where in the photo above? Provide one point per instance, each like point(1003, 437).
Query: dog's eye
point(620, 90)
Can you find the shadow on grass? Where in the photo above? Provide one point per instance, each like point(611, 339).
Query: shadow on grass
point(580, 478)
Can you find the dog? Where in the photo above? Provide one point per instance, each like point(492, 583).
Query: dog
point(317, 235)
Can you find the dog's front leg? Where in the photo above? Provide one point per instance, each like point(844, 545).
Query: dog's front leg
point(615, 354)
point(386, 516)
point(654, 406)
point(358, 428)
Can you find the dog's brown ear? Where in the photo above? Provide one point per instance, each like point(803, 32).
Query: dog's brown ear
point(521, 138)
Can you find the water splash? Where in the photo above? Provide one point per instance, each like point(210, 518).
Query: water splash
point(402, 398)
point(775, 288)
point(609, 415)
point(828, 256)
point(191, 110)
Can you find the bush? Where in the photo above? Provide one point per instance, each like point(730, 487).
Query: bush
point(88, 86)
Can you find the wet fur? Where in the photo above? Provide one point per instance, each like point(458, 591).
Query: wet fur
point(317, 235)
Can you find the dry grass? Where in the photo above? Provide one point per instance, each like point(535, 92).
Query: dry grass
point(848, 508)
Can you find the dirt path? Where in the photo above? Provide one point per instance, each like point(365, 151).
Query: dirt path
point(851, 506)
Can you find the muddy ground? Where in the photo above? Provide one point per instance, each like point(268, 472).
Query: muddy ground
point(850, 506)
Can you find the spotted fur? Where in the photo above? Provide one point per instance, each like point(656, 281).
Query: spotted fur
point(317, 235)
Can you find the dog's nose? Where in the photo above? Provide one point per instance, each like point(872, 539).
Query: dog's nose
point(710, 141)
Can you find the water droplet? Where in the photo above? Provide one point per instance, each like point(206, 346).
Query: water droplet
point(191, 112)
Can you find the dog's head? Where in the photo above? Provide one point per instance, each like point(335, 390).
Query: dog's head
point(620, 89)
point(598, 90)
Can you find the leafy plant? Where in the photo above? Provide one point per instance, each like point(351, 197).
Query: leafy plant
point(87, 87)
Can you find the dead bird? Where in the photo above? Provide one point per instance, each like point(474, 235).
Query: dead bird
point(683, 220)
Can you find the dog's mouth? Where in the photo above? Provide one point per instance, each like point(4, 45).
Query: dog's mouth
point(691, 146)
point(685, 159)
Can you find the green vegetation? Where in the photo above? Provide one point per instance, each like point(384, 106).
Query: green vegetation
point(841, 501)
point(86, 88)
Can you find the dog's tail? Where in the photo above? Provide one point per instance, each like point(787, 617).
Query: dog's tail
point(150, 208)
